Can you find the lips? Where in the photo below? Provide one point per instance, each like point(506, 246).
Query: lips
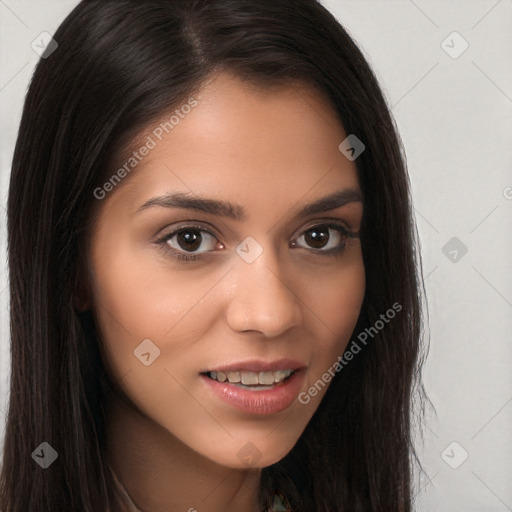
point(247, 385)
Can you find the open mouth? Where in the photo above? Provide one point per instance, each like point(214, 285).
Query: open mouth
point(256, 387)
point(254, 381)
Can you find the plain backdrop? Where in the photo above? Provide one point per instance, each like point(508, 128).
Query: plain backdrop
point(445, 69)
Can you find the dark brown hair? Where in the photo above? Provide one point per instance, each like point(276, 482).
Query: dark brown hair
point(119, 65)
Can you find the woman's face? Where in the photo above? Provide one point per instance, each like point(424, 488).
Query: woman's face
point(270, 285)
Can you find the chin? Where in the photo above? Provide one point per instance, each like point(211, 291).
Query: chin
point(256, 454)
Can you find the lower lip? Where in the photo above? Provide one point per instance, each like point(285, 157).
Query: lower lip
point(269, 401)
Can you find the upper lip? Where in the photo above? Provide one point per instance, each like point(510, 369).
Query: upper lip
point(258, 365)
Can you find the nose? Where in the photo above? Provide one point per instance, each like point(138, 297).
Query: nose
point(261, 300)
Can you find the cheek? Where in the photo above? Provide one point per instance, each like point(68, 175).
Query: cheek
point(152, 320)
point(137, 297)
point(337, 301)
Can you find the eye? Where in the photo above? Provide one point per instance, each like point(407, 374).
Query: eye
point(188, 243)
point(185, 242)
point(328, 238)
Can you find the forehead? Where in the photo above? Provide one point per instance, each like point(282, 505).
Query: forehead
point(243, 141)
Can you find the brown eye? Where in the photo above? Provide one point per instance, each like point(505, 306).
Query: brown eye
point(324, 238)
point(190, 239)
point(317, 237)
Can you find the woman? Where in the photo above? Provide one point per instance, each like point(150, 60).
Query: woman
point(215, 299)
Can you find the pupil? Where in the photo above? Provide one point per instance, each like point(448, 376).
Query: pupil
point(316, 237)
point(191, 240)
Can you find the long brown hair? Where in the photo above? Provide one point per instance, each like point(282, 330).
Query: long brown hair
point(118, 66)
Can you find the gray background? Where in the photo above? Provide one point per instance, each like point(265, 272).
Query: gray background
point(454, 116)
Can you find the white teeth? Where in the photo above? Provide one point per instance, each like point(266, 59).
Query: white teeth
point(234, 377)
point(249, 378)
point(252, 378)
point(266, 378)
point(281, 375)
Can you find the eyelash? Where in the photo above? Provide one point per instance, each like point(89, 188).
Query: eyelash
point(186, 258)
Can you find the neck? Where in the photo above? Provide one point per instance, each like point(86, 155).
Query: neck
point(160, 473)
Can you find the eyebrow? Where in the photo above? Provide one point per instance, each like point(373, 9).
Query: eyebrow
point(237, 212)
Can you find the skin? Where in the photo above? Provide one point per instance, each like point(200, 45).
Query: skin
point(271, 151)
